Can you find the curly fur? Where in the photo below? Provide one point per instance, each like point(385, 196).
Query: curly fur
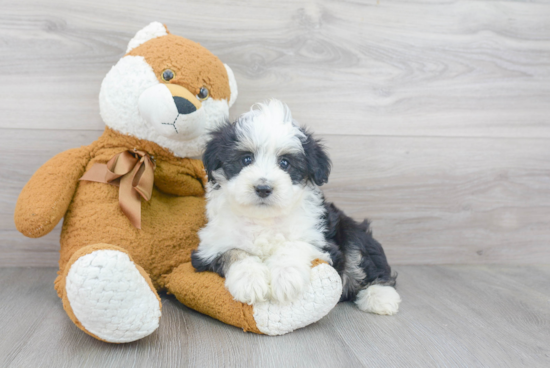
point(268, 218)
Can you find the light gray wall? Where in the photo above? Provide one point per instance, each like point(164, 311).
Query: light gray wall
point(436, 113)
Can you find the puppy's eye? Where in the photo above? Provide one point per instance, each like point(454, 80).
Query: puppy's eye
point(247, 160)
point(167, 75)
point(203, 94)
point(284, 164)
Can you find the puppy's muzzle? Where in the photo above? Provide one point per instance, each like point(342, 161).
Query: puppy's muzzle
point(263, 191)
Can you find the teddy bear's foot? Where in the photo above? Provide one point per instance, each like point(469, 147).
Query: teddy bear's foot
point(319, 297)
point(110, 297)
point(206, 293)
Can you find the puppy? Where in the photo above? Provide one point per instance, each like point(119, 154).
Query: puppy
point(268, 219)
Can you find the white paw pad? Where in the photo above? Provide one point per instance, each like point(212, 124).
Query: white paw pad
point(378, 299)
point(318, 298)
point(110, 297)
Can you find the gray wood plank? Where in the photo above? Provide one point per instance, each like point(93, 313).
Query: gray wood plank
point(418, 68)
point(410, 70)
point(432, 200)
point(457, 316)
point(17, 250)
point(447, 200)
point(452, 316)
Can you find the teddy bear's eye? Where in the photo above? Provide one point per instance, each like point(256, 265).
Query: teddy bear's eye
point(167, 75)
point(203, 94)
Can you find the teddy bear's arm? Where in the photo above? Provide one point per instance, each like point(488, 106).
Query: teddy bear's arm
point(206, 293)
point(47, 195)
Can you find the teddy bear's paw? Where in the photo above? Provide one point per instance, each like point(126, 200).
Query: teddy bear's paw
point(248, 280)
point(110, 297)
point(316, 301)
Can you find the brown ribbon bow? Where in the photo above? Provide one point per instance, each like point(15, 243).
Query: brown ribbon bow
point(133, 173)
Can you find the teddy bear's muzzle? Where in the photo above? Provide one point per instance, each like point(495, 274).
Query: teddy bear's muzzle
point(172, 111)
point(185, 101)
point(184, 106)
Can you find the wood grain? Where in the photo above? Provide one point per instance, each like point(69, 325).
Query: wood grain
point(447, 200)
point(436, 113)
point(419, 68)
point(431, 200)
point(452, 316)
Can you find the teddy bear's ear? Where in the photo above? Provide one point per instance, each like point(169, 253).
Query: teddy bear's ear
point(232, 85)
point(153, 30)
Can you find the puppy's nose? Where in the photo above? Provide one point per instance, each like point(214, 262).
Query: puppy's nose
point(184, 106)
point(263, 191)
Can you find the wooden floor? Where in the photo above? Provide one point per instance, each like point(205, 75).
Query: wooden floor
point(451, 316)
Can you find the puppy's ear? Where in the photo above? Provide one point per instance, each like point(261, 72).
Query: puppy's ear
point(318, 162)
point(211, 158)
point(215, 148)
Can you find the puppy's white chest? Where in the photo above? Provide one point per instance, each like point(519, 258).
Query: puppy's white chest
point(266, 238)
point(264, 247)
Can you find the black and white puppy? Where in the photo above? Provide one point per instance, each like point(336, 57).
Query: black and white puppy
point(268, 219)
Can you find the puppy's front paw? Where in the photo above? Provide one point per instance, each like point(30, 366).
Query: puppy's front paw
point(248, 280)
point(288, 282)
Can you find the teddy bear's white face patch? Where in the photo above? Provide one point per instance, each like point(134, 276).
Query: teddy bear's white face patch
point(172, 115)
point(133, 101)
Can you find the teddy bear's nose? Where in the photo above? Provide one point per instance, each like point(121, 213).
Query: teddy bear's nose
point(184, 106)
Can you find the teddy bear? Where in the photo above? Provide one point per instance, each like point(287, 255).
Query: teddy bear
point(133, 201)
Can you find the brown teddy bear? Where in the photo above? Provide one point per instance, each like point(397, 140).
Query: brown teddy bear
point(132, 201)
